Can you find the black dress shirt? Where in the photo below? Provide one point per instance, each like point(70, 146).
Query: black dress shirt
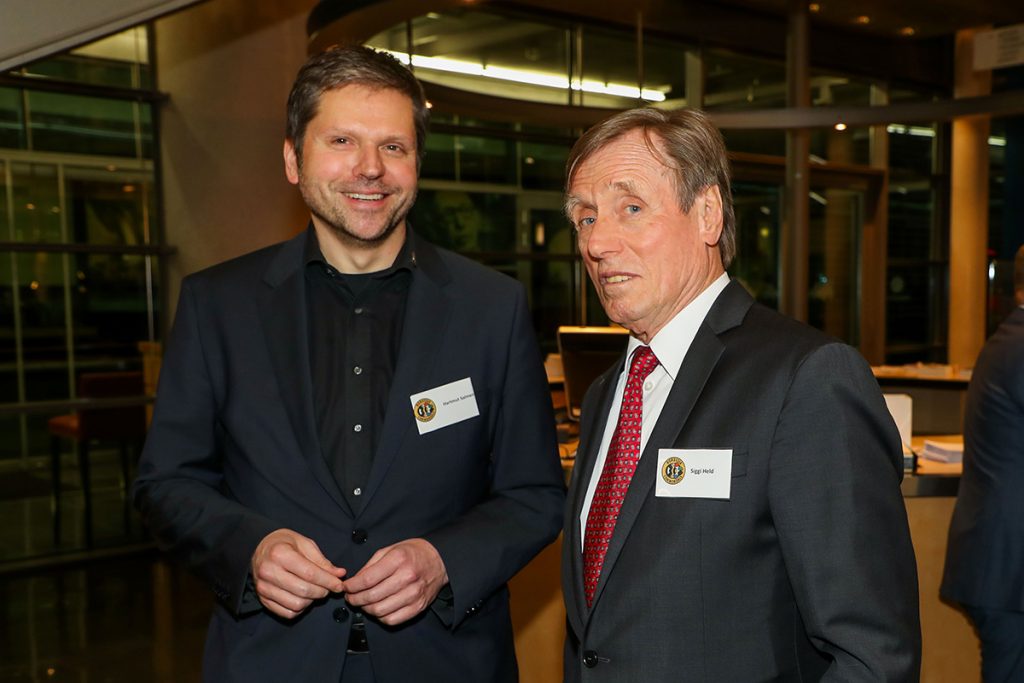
point(355, 327)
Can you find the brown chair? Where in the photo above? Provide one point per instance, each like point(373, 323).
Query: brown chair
point(124, 424)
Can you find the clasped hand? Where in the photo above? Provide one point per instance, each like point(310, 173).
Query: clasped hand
point(399, 581)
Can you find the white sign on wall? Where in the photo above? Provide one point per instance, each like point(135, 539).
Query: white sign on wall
point(998, 48)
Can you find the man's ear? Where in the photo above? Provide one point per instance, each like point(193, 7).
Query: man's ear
point(709, 215)
point(291, 162)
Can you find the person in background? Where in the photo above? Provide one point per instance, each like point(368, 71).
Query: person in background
point(984, 570)
point(353, 440)
point(735, 512)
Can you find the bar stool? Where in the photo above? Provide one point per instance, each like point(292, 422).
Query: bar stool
point(124, 424)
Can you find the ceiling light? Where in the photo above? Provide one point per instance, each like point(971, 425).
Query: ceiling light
point(840, 126)
point(814, 7)
point(862, 19)
point(547, 80)
point(908, 31)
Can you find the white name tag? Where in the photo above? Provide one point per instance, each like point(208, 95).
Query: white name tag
point(694, 473)
point(444, 405)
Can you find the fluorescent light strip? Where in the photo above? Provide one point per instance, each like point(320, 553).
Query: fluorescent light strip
point(924, 132)
point(546, 80)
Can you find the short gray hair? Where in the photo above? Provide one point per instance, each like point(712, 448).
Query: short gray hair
point(694, 148)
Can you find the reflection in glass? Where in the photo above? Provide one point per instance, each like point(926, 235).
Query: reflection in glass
point(836, 217)
point(37, 206)
point(12, 119)
point(543, 165)
point(757, 207)
point(84, 125)
point(466, 222)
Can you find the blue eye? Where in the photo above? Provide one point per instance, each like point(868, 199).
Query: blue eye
point(585, 222)
point(632, 208)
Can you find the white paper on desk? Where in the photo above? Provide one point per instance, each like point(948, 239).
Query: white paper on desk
point(901, 406)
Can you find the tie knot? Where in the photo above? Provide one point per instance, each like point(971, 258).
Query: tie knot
point(644, 362)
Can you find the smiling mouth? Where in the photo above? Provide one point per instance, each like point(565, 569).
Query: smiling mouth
point(616, 279)
point(376, 196)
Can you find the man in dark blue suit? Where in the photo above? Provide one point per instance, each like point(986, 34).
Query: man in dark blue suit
point(353, 440)
point(985, 556)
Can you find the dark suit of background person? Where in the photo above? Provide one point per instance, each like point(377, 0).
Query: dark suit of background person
point(985, 556)
point(806, 571)
point(234, 457)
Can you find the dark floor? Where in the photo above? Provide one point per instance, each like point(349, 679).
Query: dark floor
point(111, 613)
point(131, 618)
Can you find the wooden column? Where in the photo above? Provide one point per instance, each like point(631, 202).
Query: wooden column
point(968, 213)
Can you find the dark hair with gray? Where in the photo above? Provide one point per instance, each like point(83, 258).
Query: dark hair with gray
point(337, 67)
point(694, 149)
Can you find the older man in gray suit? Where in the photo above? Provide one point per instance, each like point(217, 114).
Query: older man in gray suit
point(735, 511)
point(985, 556)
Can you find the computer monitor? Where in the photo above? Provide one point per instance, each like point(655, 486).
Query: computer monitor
point(586, 353)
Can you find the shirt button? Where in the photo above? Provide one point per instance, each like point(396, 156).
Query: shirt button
point(357, 428)
point(357, 370)
point(357, 491)
point(648, 385)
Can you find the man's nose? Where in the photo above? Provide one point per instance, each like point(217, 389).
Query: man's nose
point(601, 239)
point(369, 164)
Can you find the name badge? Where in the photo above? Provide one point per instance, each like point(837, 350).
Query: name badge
point(444, 405)
point(694, 473)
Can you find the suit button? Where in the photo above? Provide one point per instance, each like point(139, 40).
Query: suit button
point(359, 536)
point(589, 659)
point(340, 614)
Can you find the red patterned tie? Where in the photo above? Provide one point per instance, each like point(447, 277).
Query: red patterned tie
point(623, 454)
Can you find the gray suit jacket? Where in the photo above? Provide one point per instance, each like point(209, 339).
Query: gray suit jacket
point(985, 555)
point(806, 573)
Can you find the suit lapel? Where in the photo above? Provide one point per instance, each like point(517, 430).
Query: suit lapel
point(282, 307)
point(591, 431)
point(701, 358)
point(427, 313)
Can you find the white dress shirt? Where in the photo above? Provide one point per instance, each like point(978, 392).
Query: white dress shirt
point(670, 345)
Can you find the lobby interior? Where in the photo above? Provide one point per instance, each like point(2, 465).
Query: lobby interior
point(879, 171)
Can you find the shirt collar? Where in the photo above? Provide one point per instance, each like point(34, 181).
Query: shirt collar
point(405, 260)
point(673, 340)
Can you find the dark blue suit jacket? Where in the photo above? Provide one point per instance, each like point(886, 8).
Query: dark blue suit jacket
point(985, 554)
point(233, 454)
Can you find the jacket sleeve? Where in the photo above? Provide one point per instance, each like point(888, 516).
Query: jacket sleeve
point(834, 479)
point(179, 490)
point(485, 547)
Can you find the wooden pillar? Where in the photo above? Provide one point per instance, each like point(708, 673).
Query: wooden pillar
point(968, 213)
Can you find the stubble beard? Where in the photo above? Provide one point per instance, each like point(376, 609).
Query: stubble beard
point(331, 215)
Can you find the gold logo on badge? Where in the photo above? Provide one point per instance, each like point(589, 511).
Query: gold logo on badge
point(673, 470)
point(425, 410)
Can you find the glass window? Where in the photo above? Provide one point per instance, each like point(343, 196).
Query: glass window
point(757, 207)
point(120, 60)
point(734, 82)
point(84, 125)
point(37, 204)
point(466, 222)
point(836, 217)
point(12, 119)
point(543, 166)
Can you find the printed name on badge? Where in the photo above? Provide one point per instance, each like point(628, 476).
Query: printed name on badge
point(694, 473)
point(444, 405)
